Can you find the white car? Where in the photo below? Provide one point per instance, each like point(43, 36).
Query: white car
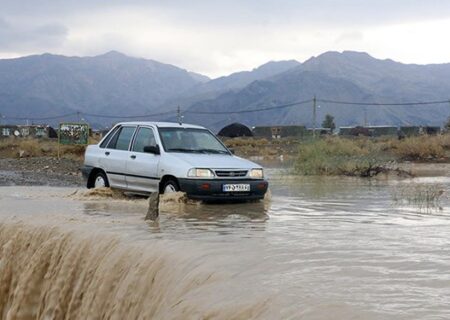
point(146, 157)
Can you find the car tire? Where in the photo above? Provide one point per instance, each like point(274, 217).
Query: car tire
point(100, 180)
point(170, 186)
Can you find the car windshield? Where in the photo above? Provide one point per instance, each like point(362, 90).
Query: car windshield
point(190, 140)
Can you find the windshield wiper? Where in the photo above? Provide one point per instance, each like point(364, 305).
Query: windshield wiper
point(212, 151)
point(182, 150)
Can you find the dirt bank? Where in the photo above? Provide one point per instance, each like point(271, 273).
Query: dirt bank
point(426, 169)
point(49, 171)
point(41, 171)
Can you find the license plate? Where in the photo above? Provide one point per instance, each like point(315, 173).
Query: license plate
point(236, 187)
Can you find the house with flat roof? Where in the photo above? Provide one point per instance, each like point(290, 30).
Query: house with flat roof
point(25, 131)
point(277, 132)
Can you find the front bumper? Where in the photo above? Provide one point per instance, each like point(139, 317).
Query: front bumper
point(212, 189)
point(86, 171)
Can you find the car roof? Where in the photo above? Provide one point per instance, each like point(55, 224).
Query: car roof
point(161, 124)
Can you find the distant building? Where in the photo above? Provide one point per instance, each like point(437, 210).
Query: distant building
point(345, 131)
point(354, 131)
point(104, 132)
point(360, 131)
point(369, 131)
point(96, 134)
point(235, 130)
point(24, 131)
point(431, 130)
point(277, 132)
point(7, 130)
point(319, 131)
point(410, 131)
point(378, 131)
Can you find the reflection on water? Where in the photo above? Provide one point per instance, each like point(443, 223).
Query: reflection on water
point(223, 218)
point(320, 248)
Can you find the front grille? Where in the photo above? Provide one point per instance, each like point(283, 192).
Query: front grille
point(232, 194)
point(231, 173)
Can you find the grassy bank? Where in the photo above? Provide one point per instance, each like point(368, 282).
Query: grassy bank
point(324, 156)
point(262, 147)
point(335, 156)
point(28, 148)
point(367, 157)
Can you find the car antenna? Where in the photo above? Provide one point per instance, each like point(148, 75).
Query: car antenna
point(179, 116)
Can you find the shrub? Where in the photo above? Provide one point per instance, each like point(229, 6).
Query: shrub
point(336, 156)
point(240, 142)
point(31, 147)
point(421, 148)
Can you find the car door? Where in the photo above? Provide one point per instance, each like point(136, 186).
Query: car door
point(116, 156)
point(141, 167)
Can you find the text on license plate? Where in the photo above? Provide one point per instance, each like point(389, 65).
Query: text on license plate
point(236, 187)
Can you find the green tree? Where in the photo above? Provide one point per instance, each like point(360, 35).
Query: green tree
point(328, 122)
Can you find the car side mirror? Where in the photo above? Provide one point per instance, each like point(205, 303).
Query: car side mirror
point(231, 150)
point(152, 149)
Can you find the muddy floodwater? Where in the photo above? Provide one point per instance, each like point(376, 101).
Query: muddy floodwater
point(317, 248)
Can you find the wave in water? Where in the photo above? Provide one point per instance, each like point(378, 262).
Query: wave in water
point(52, 273)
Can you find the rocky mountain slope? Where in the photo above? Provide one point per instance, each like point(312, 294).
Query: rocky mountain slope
point(114, 84)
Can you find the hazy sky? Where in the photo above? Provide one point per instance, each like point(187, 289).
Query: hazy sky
point(219, 37)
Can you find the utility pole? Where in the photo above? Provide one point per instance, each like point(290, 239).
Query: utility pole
point(365, 117)
point(179, 116)
point(314, 116)
point(449, 104)
point(448, 119)
point(78, 116)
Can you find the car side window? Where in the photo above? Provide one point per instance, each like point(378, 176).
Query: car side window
point(122, 138)
point(144, 138)
point(108, 138)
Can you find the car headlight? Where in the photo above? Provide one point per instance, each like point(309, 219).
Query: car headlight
point(257, 173)
point(200, 173)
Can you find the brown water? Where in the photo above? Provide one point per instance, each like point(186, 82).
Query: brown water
point(320, 248)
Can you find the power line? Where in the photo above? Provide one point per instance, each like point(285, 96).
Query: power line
point(43, 118)
point(288, 105)
point(384, 104)
point(90, 115)
point(129, 117)
point(254, 110)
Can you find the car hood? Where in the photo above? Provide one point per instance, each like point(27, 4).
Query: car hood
point(215, 161)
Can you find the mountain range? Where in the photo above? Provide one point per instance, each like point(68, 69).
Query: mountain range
point(114, 84)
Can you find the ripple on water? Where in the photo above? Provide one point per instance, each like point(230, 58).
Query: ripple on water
point(317, 247)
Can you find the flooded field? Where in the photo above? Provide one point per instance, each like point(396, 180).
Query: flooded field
point(317, 248)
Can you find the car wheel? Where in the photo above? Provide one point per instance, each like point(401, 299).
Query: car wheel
point(100, 180)
point(170, 186)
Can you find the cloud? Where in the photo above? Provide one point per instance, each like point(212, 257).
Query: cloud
point(250, 12)
point(218, 37)
point(3, 24)
point(31, 37)
point(349, 37)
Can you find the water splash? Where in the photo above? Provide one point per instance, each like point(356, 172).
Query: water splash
point(97, 194)
point(46, 273)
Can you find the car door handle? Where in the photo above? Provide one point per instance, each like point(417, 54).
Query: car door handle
point(107, 153)
point(133, 156)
